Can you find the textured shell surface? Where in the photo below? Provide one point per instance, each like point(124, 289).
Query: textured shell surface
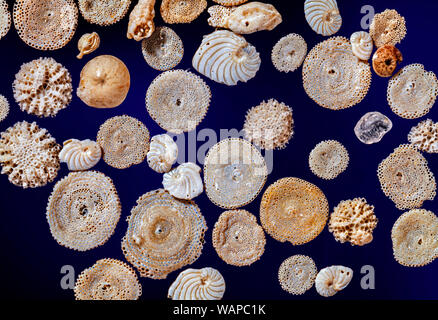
point(227, 58)
point(162, 154)
point(88, 43)
point(332, 279)
point(184, 182)
point(362, 45)
point(372, 127)
point(198, 284)
point(323, 16)
point(80, 155)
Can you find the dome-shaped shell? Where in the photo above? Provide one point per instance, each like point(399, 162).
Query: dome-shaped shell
point(80, 155)
point(332, 279)
point(323, 16)
point(184, 182)
point(226, 57)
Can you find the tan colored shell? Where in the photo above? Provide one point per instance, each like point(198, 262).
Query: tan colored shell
point(163, 50)
point(83, 210)
point(87, 44)
point(29, 155)
point(198, 284)
point(333, 76)
point(162, 154)
point(323, 16)
point(181, 11)
point(332, 279)
point(5, 18)
point(178, 100)
point(406, 179)
point(108, 279)
point(269, 125)
point(328, 159)
point(42, 87)
point(424, 136)
point(289, 52)
point(248, 18)
point(141, 20)
point(104, 83)
point(124, 141)
point(80, 155)
point(388, 27)
point(103, 12)
point(230, 3)
point(184, 182)
point(238, 239)
point(4, 107)
point(234, 173)
point(412, 91)
point(297, 274)
point(164, 234)
point(361, 44)
point(45, 25)
point(353, 221)
point(386, 60)
point(293, 210)
point(414, 238)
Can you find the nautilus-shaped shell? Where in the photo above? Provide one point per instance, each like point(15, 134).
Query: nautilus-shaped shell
point(198, 284)
point(323, 16)
point(162, 154)
point(80, 155)
point(184, 182)
point(332, 279)
point(362, 45)
point(226, 57)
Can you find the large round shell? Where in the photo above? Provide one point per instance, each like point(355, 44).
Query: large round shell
point(184, 182)
point(198, 284)
point(226, 58)
point(323, 16)
point(80, 155)
point(332, 279)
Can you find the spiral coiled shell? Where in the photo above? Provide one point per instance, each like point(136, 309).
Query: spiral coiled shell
point(332, 279)
point(194, 284)
point(362, 45)
point(162, 154)
point(80, 155)
point(226, 57)
point(184, 182)
point(323, 16)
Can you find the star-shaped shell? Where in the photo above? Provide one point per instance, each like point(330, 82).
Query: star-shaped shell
point(80, 155)
point(184, 182)
point(226, 57)
point(323, 16)
point(198, 284)
point(332, 279)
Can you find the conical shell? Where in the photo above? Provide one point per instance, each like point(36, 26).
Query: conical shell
point(184, 182)
point(80, 155)
point(226, 57)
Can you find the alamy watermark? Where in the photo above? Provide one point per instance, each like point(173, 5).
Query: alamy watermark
point(366, 20)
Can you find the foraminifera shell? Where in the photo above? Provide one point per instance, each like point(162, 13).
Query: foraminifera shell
point(198, 284)
point(162, 154)
point(87, 44)
point(184, 182)
point(80, 155)
point(362, 45)
point(323, 16)
point(226, 57)
point(332, 279)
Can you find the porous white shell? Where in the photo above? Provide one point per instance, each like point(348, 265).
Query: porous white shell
point(202, 284)
point(184, 182)
point(323, 16)
point(162, 154)
point(362, 45)
point(226, 57)
point(80, 155)
point(332, 279)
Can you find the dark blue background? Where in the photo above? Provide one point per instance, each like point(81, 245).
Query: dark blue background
point(31, 259)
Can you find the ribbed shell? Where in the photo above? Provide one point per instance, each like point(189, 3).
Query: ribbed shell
point(202, 284)
point(323, 16)
point(332, 279)
point(362, 45)
point(184, 182)
point(80, 155)
point(226, 57)
point(162, 154)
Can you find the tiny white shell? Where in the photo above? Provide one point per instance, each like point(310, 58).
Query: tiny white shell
point(323, 16)
point(226, 57)
point(198, 284)
point(80, 155)
point(332, 279)
point(162, 154)
point(184, 182)
point(362, 45)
